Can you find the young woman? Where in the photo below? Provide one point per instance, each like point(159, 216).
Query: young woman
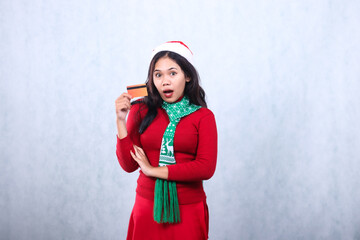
point(171, 135)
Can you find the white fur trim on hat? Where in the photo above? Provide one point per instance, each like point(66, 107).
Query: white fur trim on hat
point(176, 47)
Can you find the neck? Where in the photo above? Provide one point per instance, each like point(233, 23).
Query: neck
point(180, 98)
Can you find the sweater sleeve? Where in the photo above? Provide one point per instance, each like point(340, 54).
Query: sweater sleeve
point(204, 164)
point(125, 145)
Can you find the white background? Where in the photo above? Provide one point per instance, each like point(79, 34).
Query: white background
point(282, 78)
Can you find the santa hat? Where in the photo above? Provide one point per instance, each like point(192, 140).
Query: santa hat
point(176, 47)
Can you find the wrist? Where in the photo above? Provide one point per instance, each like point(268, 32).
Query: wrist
point(120, 120)
point(159, 172)
point(151, 171)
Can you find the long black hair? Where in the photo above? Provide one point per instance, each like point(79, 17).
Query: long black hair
point(153, 101)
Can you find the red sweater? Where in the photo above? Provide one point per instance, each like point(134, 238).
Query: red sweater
point(195, 150)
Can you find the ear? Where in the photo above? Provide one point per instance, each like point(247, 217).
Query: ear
point(187, 79)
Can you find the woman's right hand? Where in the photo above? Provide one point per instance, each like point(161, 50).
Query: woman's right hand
point(122, 106)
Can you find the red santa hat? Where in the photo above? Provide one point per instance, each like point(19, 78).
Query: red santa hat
point(176, 47)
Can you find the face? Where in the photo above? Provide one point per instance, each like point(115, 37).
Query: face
point(169, 79)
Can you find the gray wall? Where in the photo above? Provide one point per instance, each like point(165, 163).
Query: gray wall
point(282, 78)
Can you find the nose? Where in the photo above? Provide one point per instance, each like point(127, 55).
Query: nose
point(165, 81)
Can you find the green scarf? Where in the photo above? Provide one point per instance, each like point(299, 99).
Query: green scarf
point(166, 205)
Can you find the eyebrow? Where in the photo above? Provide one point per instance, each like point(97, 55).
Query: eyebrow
point(157, 70)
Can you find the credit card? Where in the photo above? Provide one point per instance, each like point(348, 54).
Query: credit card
point(138, 90)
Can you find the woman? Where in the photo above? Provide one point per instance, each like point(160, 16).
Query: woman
point(172, 137)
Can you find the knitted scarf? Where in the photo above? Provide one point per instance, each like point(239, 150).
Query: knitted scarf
point(166, 205)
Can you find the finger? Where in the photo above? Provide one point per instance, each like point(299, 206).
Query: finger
point(136, 148)
point(122, 101)
point(123, 105)
point(122, 109)
point(128, 105)
point(134, 156)
point(120, 97)
point(123, 96)
point(140, 150)
point(127, 95)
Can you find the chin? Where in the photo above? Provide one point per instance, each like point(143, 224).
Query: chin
point(170, 100)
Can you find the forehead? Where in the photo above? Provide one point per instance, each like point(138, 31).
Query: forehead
point(166, 63)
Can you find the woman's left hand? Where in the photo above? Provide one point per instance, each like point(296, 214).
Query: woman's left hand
point(140, 157)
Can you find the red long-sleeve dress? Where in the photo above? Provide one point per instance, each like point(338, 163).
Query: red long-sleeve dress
point(195, 150)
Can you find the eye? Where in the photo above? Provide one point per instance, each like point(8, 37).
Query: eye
point(173, 73)
point(157, 75)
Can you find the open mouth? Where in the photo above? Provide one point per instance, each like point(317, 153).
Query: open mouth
point(168, 93)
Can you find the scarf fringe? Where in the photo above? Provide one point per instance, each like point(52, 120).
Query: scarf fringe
point(166, 204)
